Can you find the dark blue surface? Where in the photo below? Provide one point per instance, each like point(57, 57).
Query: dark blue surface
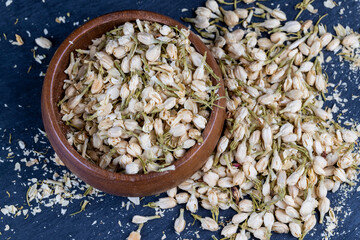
point(20, 91)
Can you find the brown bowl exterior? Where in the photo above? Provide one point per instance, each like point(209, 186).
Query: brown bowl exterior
point(118, 183)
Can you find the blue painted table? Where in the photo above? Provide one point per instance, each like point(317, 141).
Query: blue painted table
point(20, 117)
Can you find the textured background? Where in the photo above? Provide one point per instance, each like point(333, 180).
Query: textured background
point(20, 116)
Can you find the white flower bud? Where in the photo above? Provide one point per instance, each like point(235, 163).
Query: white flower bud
point(182, 197)
point(340, 175)
point(320, 82)
point(293, 107)
point(309, 223)
point(145, 141)
point(320, 161)
point(240, 73)
point(199, 85)
point(132, 168)
point(165, 78)
point(105, 161)
point(255, 220)
point(238, 50)
point(209, 224)
point(213, 198)
point(295, 229)
point(240, 154)
point(258, 54)
point(306, 66)
point(349, 136)
point(267, 99)
point(326, 39)
point(289, 138)
point(165, 30)
point(240, 217)
point(295, 176)
point(260, 233)
point(153, 53)
point(166, 203)
point(169, 103)
point(281, 179)
point(125, 41)
point(105, 60)
point(289, 201)
point(213, 6)
point(304, 49)
point(315, 47)
point(246, 205)
point(128, 28)
point(192, 204)
point(145, 38)
point(291, 27)
point(134, 83)
point(199, 121)
point(231, 18)
point(269, 220)
point(267, 137)
point(222, 145)
point(211, 178)
point(250, 171)
point(271, 23)
point(171, 50)
point(262, 164)
point(292, 212)
point(179, 153)
point(143, 219)
point(278, 37)
point(277, 13)
point(207, 166)
point(282, 216)
point(265, 44)
point(203, 11)
point(346, 161)
point(324, 207)
point(134, 149)
point(279, 227)
point(201, 22)
point(225, 182)
point(123, 160)
point(135, 63)
point(43, 42)
point(229, 230)
point(125, 65)
point(239, 178)
point(254, 138)
point(241, 114)
point(178, 130)
point(308, 205)
point(266, 187)
point(351, 41)
point(276, 162)
point(180, 222)
point(206, 205)
point(115, 132)
point(188, 143)
point(242, 13)
point(333, 45)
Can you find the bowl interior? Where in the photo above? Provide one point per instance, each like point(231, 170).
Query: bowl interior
point(118, 183)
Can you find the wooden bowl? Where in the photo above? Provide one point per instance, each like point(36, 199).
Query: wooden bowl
point(118, 183)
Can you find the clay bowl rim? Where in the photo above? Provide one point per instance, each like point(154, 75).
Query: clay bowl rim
point(74, 161)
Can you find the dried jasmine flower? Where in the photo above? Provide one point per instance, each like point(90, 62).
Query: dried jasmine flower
point(43, 42)
point(134, 98)
point(281, 150)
